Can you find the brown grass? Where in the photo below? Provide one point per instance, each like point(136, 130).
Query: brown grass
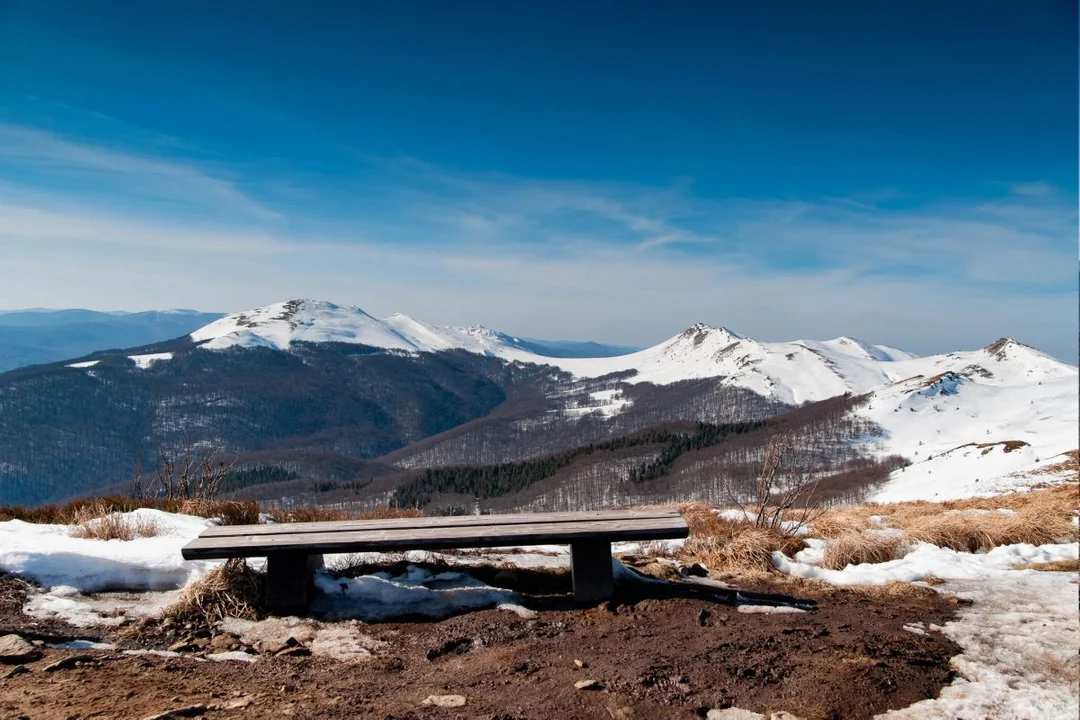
point(308, 514)
point(230, 512)
point(731, 546)
point(98, 522)
point(975, 530)
point(389, 514)
point(1070, 464)
point(1043, 515)
point(1052, 566)
point(230, 590)
point(856, 548)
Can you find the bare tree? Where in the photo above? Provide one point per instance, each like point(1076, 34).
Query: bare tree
point(785, 487)
point(189, 473)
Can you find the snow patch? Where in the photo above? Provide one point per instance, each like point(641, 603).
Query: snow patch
point(925, 560)
point(416, 592)
point(145, 361)
point(1019, 640)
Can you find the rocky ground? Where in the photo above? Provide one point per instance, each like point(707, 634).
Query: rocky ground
point(857, 654)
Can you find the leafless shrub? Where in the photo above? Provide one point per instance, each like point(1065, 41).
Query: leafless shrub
point(185, 474)
point(784, 491)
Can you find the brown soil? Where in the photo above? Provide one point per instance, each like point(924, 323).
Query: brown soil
point(653, 658)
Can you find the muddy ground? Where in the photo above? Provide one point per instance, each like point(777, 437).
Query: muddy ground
point(648, 657)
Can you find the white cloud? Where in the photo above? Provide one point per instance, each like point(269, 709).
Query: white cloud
point(45, 154)
point(580, 260)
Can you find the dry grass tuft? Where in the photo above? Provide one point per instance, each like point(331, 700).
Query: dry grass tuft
point(308, 514)
point(100, 523)
point(390, 514)
point(1052, 566)
point(228, 512)
point(975, 530)
point(857, 548)
point(732, 546)
point(841, 521)
point(230, 590)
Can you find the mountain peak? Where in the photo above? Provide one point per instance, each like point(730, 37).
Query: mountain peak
point(701, 328)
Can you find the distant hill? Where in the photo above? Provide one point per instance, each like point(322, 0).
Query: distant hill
point(330, 393)
point(33, 337)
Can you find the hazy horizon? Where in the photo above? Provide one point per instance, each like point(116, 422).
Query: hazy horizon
point(902, 174)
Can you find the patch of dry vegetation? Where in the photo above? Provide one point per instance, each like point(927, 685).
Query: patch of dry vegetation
point(330, 514)
point(99, 523)
point(1038, 516)
point(230, 590)
point(856, 548)
point(1072, 565)
point(974, 530)
point(1069, 466)
point(732, 546)
point(229, 512)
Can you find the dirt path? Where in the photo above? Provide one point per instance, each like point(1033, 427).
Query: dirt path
point(671, 658)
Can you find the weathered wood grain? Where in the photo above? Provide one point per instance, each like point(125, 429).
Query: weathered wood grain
point(436, 522)
point(378, 536)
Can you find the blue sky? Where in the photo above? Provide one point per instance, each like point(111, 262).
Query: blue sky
point(901, 172)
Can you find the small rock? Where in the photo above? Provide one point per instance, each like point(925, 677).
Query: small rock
point(223, 642)
point(589, 685)
point(581, 663)
point(697, 570)
point(15, 650)
point(17, 670)
point(270, 647)
point(621, 713)
point(733, 714)
point(69, 662)
point(183, 646)
point(184, 712)
point(237, 704)
point(445, 701)
point(294, 651)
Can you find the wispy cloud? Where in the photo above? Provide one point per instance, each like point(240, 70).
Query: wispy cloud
point(618, 262)
point(41, 157)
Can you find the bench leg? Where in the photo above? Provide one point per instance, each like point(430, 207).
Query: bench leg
point(590, 566)
point(288, 579)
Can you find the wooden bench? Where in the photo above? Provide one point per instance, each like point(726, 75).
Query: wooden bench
point(294, 550)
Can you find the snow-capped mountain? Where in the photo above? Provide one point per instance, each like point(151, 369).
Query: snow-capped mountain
point(281, 324)
point(971, 421)
point(790, 372)
point(966, 435)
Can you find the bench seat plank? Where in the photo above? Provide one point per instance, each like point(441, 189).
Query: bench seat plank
point(378, 537)
point(222, 531)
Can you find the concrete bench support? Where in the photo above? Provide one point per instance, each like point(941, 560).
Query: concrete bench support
point(590, 566)
point(289, 579)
